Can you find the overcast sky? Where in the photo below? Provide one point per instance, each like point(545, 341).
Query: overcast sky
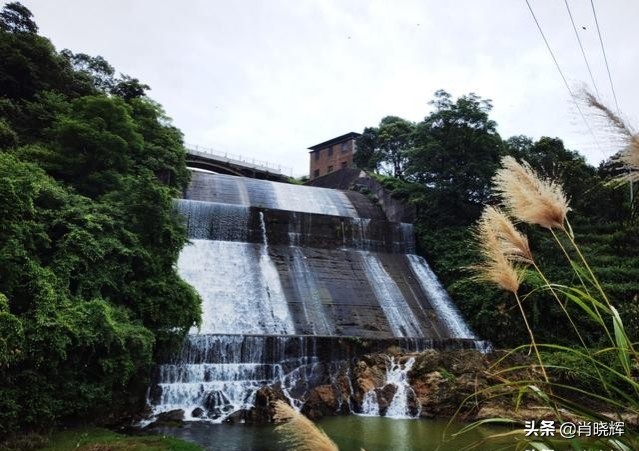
point(267, 79)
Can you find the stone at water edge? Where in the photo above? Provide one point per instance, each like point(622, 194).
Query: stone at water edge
point(176, 415)
point(321, 402)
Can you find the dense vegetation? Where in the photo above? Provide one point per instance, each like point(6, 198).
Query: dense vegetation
point(88, 236)
point(444, 165)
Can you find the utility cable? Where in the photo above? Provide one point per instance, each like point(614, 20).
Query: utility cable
point(563, 77)
point(583, 53)
point(603, 50)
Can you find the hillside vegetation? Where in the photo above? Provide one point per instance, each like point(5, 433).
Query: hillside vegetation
point(88, 237)
point(444, 166)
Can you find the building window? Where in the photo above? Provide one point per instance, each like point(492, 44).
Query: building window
point(317, 155)
point(330, 151)
point(316, 173)
point(345, 147)
point(344, 164)
point(330, 169)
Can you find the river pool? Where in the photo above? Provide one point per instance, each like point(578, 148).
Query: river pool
point(351, 433)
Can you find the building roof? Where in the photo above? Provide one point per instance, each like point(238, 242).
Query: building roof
point(330, 142)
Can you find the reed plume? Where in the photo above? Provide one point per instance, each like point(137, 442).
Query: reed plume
point(513, 244)
point(500, 245)
point(529, 197)
point(299, 433)
point(629, 155)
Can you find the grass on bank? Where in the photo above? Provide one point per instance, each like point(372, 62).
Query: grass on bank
point(98, 439)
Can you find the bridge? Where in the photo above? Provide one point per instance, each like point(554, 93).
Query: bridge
point(227, 163)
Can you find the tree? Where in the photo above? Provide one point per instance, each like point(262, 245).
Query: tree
point(89, 236)
point(366, 156)
point(385, 147)
point(455, 153)
point(129, 88)
point(95, 68)
point(16, 18)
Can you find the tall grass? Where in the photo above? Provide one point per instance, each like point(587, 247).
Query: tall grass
point(298, 433)
point(612, 369)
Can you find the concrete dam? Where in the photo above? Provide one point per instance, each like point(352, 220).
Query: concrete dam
point(295, 282)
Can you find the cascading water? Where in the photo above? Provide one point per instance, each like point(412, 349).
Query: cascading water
point(396, 375)
point(217, 375)
point(402, 320)
point(308, 287)
point(440, 299)
point(210, 221)
point(264, 276)
point(237, 298)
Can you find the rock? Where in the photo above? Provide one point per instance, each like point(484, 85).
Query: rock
point(322, 401)
point(197, 412)
point(171, 416)
point(264, 399)
point(436, 394)
point(388, 393)
point(369, 373)
point(238, 416)
point(344, 393)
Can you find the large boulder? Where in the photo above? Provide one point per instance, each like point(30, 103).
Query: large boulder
point(369, 373)
point(322, 401)
point(263, 411)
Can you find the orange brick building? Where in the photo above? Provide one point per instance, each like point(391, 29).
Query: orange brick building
point(331, 155)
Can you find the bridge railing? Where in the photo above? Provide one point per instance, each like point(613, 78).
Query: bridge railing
point(242, 160)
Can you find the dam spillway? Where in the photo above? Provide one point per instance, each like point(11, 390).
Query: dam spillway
point(292, 279)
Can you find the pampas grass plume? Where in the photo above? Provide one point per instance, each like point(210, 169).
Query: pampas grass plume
point(630, 139)
point(528, 197)
point(497, 241)
point(298, 432)
point(512, 243)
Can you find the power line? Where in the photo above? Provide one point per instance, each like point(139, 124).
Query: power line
point(612, 87)
point(604, 55)
point(582, 49)
point(574, 99)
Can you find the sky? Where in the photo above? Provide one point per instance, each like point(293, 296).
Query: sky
point(269, 78)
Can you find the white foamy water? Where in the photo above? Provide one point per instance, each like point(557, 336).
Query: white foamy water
point(239, 286)
point(439, 298)
point(401, 318)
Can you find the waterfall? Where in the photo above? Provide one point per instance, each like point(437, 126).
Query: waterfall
point(228, 189)
point(212, 221)
point(308, 288)
point(284, 304)
point(370, 406)
point(398, 376)
point(439, 298)
point(398, 407)
point(239, 286)
point(401, 318)
point(218, 375)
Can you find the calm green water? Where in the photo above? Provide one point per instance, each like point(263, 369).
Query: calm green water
point(351, 433)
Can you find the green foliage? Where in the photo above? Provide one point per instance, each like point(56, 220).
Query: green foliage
point(385, 147)
point(456, 153)
point(102, 439)
point(579, 380)
point(89, 237)
point(16, 18)
point(453, 158)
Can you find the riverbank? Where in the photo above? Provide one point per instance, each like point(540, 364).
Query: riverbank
point(99, 439)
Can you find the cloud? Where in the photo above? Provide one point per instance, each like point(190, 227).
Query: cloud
point(268, 79)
